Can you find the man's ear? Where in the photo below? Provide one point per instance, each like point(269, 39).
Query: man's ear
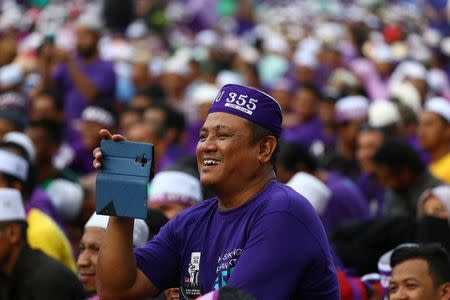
point(14, 233)
point(267, 147)
point(445, 291)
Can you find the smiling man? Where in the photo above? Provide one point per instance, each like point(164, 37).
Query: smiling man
point(420, 273)
point(256, 234)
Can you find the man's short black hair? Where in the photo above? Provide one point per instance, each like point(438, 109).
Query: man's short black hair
point(257, 133)
point(293, 154)
point(436, 257)
point(52, 129)
point(397, 155)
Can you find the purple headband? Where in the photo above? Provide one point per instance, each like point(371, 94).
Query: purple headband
point(250, 104)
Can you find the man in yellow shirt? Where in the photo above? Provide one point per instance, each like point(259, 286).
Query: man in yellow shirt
point(43, 233)
point(434, 136)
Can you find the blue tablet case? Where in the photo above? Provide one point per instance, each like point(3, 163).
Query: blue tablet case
point(121, 184)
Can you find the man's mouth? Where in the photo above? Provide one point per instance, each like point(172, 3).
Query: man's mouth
point(210, 162)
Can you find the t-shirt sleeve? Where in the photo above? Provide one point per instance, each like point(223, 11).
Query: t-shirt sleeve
point(282, 257)
point(159, 258)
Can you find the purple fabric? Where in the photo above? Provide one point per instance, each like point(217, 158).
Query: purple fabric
point(82, 162)
point(273, 247)
point(102, 75)
point(250, 104)
point(376, 87)
point(414, 142)
point(372, 190)
point(40, 200)
point(172, 154)
point(305, 134)
point(347, 202)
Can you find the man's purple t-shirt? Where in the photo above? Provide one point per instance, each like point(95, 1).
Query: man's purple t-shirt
point(273, 247)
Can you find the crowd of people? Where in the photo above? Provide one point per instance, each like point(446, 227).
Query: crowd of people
point(363, 92)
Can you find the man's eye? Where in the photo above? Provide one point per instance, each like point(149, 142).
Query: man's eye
point(411, 286)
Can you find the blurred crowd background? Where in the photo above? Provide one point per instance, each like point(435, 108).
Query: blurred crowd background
point(363, 86)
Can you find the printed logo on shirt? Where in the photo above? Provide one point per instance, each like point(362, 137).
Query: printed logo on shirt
point(225, 267)
point(190, 288)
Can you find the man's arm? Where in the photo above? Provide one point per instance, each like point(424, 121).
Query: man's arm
point(81, 81)
point(117, 274)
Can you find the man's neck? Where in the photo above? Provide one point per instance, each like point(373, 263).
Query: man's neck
point(439, 152)
point(345, 150)
point(234, 198)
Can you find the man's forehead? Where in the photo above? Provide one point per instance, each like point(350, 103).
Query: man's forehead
point(224, 120)
point(415, 268)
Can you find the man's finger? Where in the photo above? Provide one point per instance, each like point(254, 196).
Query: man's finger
point(105, 134)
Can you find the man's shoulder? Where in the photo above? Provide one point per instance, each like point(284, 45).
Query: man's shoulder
point(47, 268)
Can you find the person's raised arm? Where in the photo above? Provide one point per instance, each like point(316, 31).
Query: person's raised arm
point(117, 274)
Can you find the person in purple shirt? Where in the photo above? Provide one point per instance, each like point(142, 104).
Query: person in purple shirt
point(82, 78)
point(257, 234)
point(346, 202)
point(303, 125)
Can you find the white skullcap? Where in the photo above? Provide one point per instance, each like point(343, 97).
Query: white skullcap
point(351, 108)
point(175, 186)
point(14, 165)
point(229, 77)
point(31, 42)
point(314, 190)
point(91, 21)
point(137, 29)
point(205, 93)
point(440, 106)
point(66, 197)
point(177, 65)
point(383, 113)
point(10, 75)
point(98, 115)
point(407, 94)
point(118, 50)
point(411, 69)
point(11, 205)
point(140, 229)
point(22, 140)
point(275, 43)
point(437, 80)
point(207, 38)
point(305, 58)
point(445, 46)
point(382, 53)
point(249, 54)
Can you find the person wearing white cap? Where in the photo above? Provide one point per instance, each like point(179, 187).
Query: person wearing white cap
point(434, 136)
point(350, 114)
point(43, 232)
point(173, 191)
point(384, 115)
point(94, 232)
point(29, 273)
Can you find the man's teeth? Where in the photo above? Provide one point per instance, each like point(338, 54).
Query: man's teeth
point(210, 162)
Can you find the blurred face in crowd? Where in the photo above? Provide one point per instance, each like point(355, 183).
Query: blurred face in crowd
point(348, 131)
point(90, 134)
point(86, 42)
point(304, 104)
point(220, 159)
point(327, 112)
point(283, 97)
point(412, 280)
point(304, 74)
point(45, 147)
point(202, 110)
point(432, 131)
point(10, 236)
point(397, 180)
point(142, 132)
point(420, 85)
point(43, 107)
point(367, 144)
point(384, 68)
point(128, 119)
point(6, 126)
point(432, 206)
point(140, 76)
point(140, 102)
point(88, 254)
